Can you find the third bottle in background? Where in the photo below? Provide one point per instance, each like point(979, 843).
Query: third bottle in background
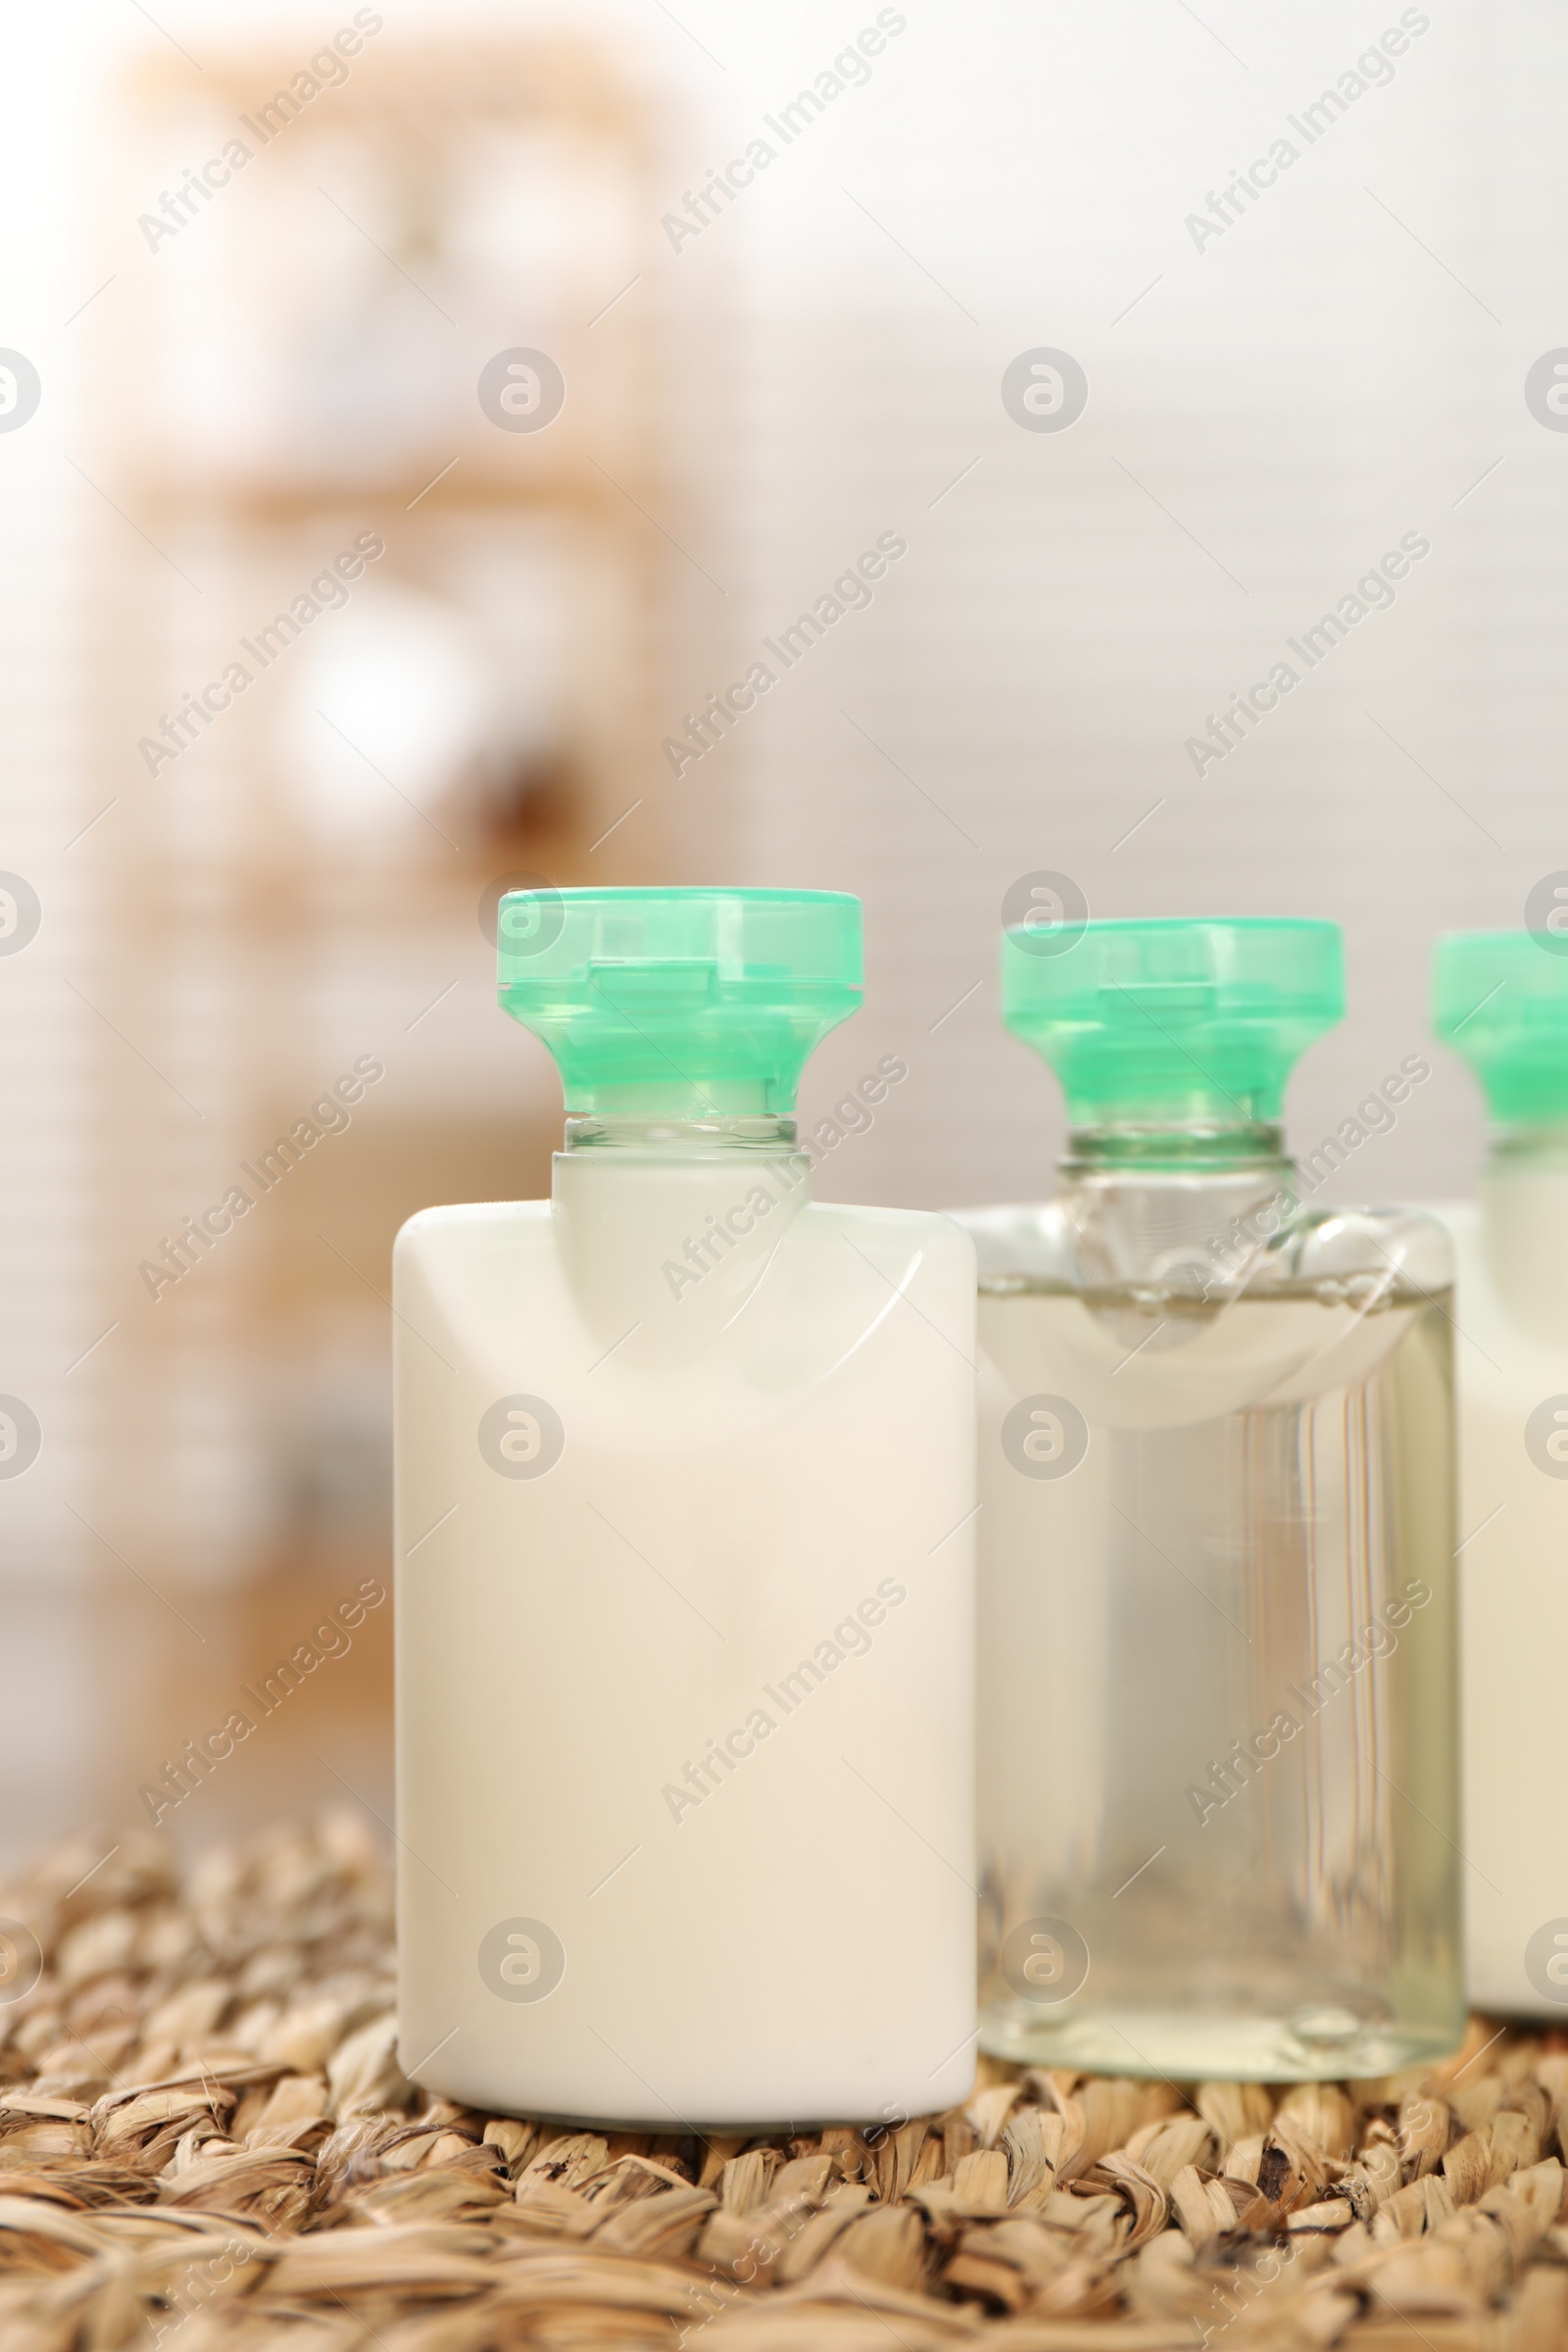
point(1502, 1003)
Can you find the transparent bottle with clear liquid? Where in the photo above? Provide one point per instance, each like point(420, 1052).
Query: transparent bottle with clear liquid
point(1501, 1002)
point(1217, 1685)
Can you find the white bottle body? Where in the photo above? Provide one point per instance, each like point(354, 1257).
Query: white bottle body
point(694, 1698)
point(1511, 1356)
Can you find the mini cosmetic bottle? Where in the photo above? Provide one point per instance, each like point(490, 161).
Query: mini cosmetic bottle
point(1218, 1770)
point(685, 1504)
point(1502, 1003)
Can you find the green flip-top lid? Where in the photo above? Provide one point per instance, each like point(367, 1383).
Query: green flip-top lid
point(1500, 998)
point(1174, 1022)
point(680, 1005)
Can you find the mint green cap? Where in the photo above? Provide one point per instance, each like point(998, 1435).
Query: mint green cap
point(680, 1005)
point(1500, 998)
point(1174, 1023)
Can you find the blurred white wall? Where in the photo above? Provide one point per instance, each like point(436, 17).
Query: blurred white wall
point(1267, 415)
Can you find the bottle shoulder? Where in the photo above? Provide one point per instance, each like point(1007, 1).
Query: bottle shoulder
point(488, 1231)
point(649, 1289)
point(1413, 1243)
point(932, 1231)
point(476, 1223)
point(1071, 1243)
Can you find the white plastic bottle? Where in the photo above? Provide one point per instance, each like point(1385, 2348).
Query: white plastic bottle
point(685, 1485)
point(1502, 1002)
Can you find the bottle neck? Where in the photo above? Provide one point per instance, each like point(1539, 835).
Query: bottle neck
point(665, 1227)
point(1536, 1151)
point(741, 1137)
point(1523, 1231)
point(1129, 1150)
point(1185, 1209)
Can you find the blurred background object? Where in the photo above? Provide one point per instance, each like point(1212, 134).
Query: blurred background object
point(457, 617)
point(437, 411)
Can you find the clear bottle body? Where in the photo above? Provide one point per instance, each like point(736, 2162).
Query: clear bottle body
point(684, 1595)
point(1217, 1768)
point(1512, 1357)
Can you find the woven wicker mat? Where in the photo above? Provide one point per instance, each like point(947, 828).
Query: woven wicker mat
point(205, 2139)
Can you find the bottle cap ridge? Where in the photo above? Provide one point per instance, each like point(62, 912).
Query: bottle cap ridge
point(1501, 1000)
point(1176, 1022)
point(680, 1003)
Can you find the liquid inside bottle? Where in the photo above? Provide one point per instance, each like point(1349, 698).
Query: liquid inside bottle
point(1209, 1743)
